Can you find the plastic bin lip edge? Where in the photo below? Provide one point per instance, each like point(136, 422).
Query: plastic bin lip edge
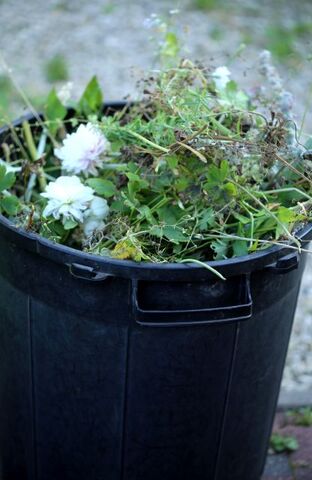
point(146, 270)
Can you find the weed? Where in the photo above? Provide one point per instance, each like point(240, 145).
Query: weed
point(301, 417)
point(281, 443)
point(56, 69)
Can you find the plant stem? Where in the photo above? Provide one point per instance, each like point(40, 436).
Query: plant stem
point(148, 142)
point(30, 141)
point(204, 265)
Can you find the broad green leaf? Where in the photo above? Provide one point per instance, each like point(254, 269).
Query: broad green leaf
point(174, 234)
point(102, 187)
point(92, 98)
point(230, 189)
point(169, 215)
point(7, 180)
point(52, 230)
point(286, 215)
point(217, 175)
point(240, 248)
point(119, 206)
point(135, 184)
point(234, 97)
point(69, 224)
point(54, 111)
point(10, 205)
point(133, 177)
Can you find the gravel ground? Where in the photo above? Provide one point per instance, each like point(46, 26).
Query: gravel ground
point(108, 39)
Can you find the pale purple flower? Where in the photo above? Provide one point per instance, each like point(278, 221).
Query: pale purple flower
point(83, 150)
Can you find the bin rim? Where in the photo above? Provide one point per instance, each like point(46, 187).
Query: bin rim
point(166, 271)
point(65, 255)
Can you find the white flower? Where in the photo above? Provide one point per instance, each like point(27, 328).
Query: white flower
point(65, 93)
point(67, 198)
point(95, 215)
point(82, 150)
point(221, 76)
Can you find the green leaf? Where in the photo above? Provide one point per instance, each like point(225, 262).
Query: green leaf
point(172, 161)
point(145, 213)
point(171, 45)
point(241, 218)
point(287, 217)
point(174, 234)
point(169, 214)
point(133, 177)
point(217, 175)
point(224, 170)
point(53, 230)
point(92, 98)
point(135, 184)
point(207, 219)
point(7, 180)
point(230, 189)
point(234, 97)
point(182, 184)
point(54, 111)
point(220, 247)
point(119, 206)
point(2, 171)
point(102, 187)
point(240, 248)
point(69, 224)
point(10, 205)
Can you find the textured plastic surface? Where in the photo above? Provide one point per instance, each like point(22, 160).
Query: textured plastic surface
point(120, 371)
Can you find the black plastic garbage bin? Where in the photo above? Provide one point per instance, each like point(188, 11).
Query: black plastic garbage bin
point(114, 370)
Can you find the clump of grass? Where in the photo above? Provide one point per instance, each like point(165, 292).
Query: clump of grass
point(206, 4)
point(109, 8)
point(280, 41)
point(301, 417)
point(282, 443)
point(56, 69)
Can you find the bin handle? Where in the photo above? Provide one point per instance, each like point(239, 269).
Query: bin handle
point(84, 272)
point(202, 316)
